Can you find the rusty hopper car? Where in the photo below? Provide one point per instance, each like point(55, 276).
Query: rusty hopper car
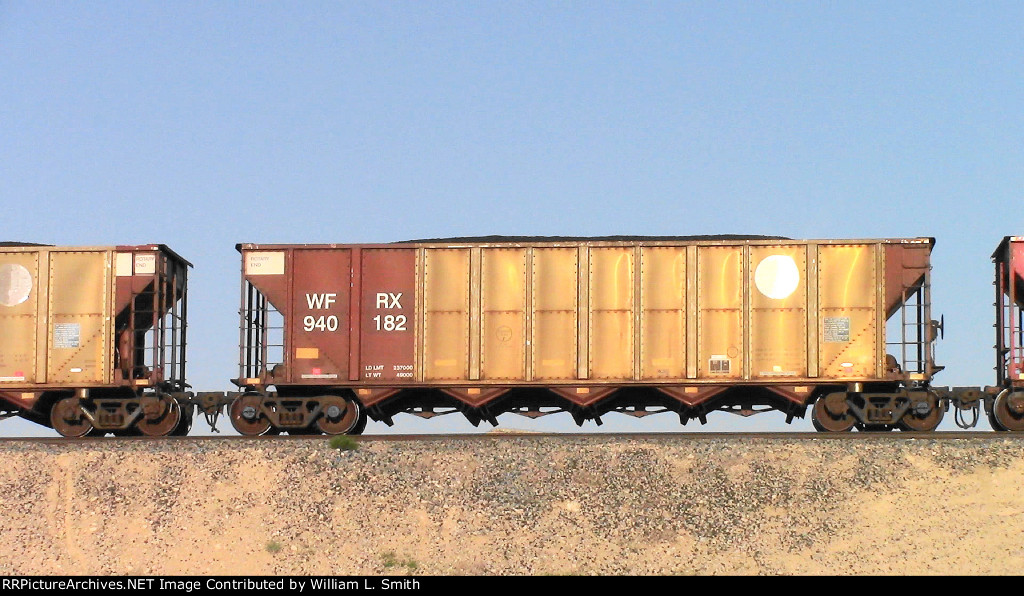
point(331, 334)
point(1006, 409)
point(92, 339)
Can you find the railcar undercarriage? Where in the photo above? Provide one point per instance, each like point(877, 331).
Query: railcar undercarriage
point(832, 408)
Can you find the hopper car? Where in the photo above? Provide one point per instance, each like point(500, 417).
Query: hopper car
point(92, 340)
point(1005, 403)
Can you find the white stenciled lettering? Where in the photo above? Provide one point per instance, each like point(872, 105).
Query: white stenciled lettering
point(320, 301)
point(388, 300)
point(321, 323)
point(390, 322)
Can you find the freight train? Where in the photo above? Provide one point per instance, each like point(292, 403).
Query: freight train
point(93, 339)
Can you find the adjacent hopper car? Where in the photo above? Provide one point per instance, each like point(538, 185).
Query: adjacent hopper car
point(1006, 409)
point(93, 339)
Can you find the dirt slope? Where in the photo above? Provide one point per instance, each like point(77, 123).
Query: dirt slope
point(514, 505)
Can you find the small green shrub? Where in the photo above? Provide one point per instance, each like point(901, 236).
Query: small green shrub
point(344, 443)
point(274, 547)
point(390, 559)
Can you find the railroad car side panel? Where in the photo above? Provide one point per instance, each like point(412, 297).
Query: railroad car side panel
point(318, 319)
point(78, 327)
point(663, 298)
point(446, 310)
point(19, 305)
point(386, 286)
point(504, 298)
point(847, 303)
point(720, 312)
point(555, 317)
point(778, 311)
point(611, 315)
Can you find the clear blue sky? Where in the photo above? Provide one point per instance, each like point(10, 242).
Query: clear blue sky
point(204, 124)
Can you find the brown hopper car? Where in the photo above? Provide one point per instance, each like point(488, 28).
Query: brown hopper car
point(587, 326)
point(93, 338)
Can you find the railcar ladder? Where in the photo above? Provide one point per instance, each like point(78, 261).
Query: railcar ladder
point(1009, 327)
point(261, 334)
point(914, 343)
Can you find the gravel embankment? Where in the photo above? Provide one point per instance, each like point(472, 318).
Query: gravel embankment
point(514, 505)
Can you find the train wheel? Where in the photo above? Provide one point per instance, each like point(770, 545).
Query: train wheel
point(1008, 410)
point(830, 414)
point(246, 416)
point(912, 421)
point(340, 415)
point(360, 426)
point(185, 425)
point(993, 422)
point(160, 416)
point(67, 418)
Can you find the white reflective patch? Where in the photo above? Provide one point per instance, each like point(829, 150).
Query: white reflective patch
point(123, 264)
point(15, 284)
point(777, 276)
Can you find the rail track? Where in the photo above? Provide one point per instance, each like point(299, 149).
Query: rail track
point(531, 436)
